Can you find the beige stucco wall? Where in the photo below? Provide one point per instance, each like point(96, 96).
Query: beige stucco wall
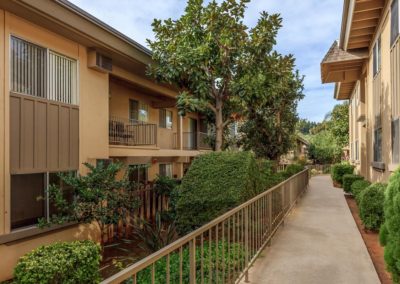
point(93, 123)
point(368, 133)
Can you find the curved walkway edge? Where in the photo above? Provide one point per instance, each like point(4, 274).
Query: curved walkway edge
point(320, 243)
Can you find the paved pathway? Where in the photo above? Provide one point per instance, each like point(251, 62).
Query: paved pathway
point(319, 244)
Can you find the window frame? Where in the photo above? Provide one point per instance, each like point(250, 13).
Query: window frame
point(394, 37)
point(377, 57)
point(166, 165)
point(163, 119)
point(46, 201)
point(46, 66)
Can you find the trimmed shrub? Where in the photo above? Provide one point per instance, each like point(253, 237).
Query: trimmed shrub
point(269, 177)
point(215, 183)
point(348, 180)
point(339, 170)
point(357, 187)
point(64, 262)
point(220, 275)
point(371, 206)
point(390, 230)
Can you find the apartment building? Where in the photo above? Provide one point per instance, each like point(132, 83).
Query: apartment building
point(74, 90)
point(365, 66)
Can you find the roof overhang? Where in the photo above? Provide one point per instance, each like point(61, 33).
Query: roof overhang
point(62, 17)
point(359, 23)
point(344, 68)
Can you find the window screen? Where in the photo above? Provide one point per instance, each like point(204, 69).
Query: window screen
point(165, 118)
point(165, 170)
point(133, 110)
point(378, 145)
point(40, 72)
point(28, 68)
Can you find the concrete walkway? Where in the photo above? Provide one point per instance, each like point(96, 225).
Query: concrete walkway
point(319, 243)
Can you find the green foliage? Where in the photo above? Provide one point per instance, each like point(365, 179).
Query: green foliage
point(269, 177)
point(371, 206)
point(348, 180)
point(292, 170)
point(358, 187)
point(155, 236)
point(99, 197)
point(339, 170)
point(323, 149)
point(215, 183)
point(221, 249)
point(304, 126)
point(212, 56)
point(163, 185)
point(390, 232)
point(339, 124)
point(60, 263)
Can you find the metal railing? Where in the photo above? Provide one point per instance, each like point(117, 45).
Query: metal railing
point(131, 132)
point(223, 250)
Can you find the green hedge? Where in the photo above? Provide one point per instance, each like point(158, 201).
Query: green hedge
point(371, 206)
point(66, 263)
point(215, 183)
point(348, 180)
point(144, 276)
point(292, 170)
point(339, 170)
point(390, 230)
point(357, 187)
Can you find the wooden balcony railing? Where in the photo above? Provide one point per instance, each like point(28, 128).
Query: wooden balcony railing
point(131, 132)
point(223, 250)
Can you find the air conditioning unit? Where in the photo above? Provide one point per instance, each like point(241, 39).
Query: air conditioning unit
point(99, 61)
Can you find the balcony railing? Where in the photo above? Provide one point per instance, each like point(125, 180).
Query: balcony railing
point(223, 250)
point(195, 140)
point(131, 132)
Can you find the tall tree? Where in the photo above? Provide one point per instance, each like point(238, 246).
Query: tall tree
point(339, 124)
point(204, 54)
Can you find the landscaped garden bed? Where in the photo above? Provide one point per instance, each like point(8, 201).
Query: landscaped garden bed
point(371, 240)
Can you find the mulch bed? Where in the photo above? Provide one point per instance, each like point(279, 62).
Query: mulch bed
point(371, 240)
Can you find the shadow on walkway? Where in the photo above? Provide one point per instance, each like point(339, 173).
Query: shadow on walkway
point(320, 243)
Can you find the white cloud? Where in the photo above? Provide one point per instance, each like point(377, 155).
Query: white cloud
point(309, 28)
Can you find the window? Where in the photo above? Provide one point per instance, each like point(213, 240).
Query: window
point(138, 174)
point(396, 141)
point(377, 56)
point(165, 118)
point(40, 72)
point(357, 151)
point(394, 22)
point(165, 170)
point(143, 112)
point(29, 200)
point(378, 145)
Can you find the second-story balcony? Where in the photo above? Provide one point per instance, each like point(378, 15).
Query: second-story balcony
point(130, 132)
point(194, 141)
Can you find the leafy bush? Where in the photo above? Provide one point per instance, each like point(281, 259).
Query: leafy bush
point(371, 206)
point(163, 185)
point(269, 177)
point(357, 187)
point(348, 180)
point(339, 170)
point(144, 277)
point(155, 236)
point(215, 183)
point(390, 230)
point(67, 262)
point(292, 170)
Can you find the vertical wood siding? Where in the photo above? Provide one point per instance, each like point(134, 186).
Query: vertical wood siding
point(44, 135)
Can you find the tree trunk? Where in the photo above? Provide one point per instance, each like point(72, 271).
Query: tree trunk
point(219, 127)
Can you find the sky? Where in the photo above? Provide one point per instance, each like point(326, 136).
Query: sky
point(309, 29)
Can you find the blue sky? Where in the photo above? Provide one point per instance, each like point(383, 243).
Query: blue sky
point(309, 28)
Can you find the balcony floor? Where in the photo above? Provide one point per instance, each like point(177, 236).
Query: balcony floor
point(320, 243)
